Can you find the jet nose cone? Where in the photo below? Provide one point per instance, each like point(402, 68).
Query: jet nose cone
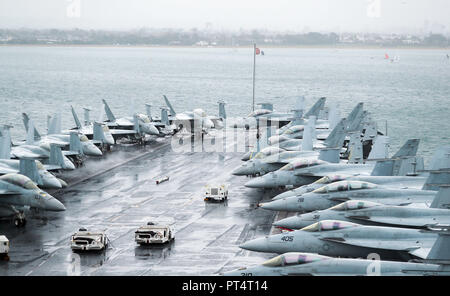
point(154, 130)
point(63, 183)
point(68, 165)
point(277, 205)
point(256, 183)
point(54, 205)
point(208, 123)
point(94, 151)
point(51, 182)
point(290, 222)
point(109, 139)
point(241, 171)
point(257, 245)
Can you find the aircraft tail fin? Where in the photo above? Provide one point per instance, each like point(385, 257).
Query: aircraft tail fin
point(356, 110)
point(380, 148)
point(442, 198)
point(222, 113)
point(408, 166)
point(87, 119)
point(148, 109)
point(55, 124)
point(136, 124)
point(441, 248)
point(56, 156)
point(356, 124)
point(315, 109)
point(300, 103)
point(164, 117)
point(307, 142)
point(5, 142)
point(98, 132)
point(27, 123)
point(383, 167)
point(28, 168)
point(330, 154)
point(75, 143)
point(334, 115)
point(172, 111)
point(408, 149)
point(75, 117)
point(355, 148)
point(441, 159)
point(337, 136)
point(108, 112)
point(436, 179)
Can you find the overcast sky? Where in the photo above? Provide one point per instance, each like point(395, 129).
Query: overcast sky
point(279, 15)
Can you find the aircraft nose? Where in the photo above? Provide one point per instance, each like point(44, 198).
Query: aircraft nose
point(54, 205)
point(208, 123)
point(68, 165)
point(256, 183)
point(109, 139)
point(63, 183)
point(277, 205)
point(153, 130)
point(283, 195)
point(93, 150)
point(291, 222)
point(50, 181)
point(241, 171)
point(257, 245)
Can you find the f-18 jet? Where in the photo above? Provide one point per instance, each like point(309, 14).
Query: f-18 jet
point(50, 155)
point(373, 213)
point(55, 136)
point(99, 133)
point(302, 172)
point(440, 161)
point(18, 192)
point(437, 263)
point(191, 120)
point(347, 239)
point(132, 126)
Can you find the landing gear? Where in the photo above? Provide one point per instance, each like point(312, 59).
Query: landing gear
point(19, 220)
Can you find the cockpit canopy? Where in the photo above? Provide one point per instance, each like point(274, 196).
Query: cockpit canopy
point(293, 258)
point(259, 112)
point(326, 225)
point(354, 205)
point(345, 186)
point(330, 179)
point(294, 129)
point(267, 151)
point(19, 180)
point(302, 164)
point(144, 118)
point(199, 112)
point(83, 138)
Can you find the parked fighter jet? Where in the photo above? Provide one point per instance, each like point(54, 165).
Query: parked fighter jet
point(50, 155)
point(18, 192)
point(55, 136)
point(303, 172)
point(131, 126)
point(99, 133)
point(295, 263)
point(372, 213)
point(191, 119)
point(346, 239)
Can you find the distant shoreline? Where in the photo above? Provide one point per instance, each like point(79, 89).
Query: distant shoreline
point(229, 47)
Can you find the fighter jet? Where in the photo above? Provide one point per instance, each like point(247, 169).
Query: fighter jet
point(134, 126)
point(302, 172)
point(50, 155)
point(98, 132)
point(55, 136)
point(347, 239)
point(437, 263)
point(190, 120)
point(18, 192)
point(440, 161)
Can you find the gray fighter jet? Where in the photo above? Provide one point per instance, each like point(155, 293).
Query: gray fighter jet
point(437, 263)
point(346, 239)
point(131, 126)
point(55, 136)
point(18, 192)
point(304, 172)
point(372, 213)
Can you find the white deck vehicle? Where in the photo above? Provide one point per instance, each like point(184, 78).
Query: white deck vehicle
point(216, 192)
point(84, 240)
point(154, 234)
point(4, 247)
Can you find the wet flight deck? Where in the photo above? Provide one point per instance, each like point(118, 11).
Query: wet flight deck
point(117, 193)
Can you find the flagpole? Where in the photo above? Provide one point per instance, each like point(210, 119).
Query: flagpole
point(254, 65)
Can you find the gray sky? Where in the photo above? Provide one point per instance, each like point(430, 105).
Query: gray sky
point(419, 16)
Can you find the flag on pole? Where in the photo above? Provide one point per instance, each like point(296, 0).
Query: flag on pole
point(257, 51)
